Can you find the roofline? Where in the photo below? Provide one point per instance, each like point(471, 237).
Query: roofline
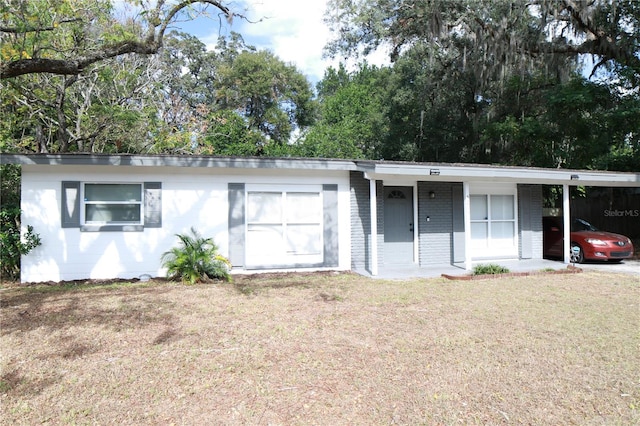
point(159, 160)
point(463, 172)
point(381, 170)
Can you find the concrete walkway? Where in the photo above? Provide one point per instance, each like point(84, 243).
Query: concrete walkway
point(404, 272)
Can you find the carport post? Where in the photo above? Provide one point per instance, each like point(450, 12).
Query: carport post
point(466, 205)
point(373, 206)
point(566, 224)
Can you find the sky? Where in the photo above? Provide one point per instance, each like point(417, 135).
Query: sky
point(291, 29)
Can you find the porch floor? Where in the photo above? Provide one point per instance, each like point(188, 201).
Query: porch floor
point(403, 272)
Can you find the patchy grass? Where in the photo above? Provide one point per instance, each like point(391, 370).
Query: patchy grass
point(324, 349)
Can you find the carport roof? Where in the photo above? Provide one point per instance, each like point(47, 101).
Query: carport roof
point(449, 172)
point(460, 172)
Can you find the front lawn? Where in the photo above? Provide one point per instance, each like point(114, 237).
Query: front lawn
point(324, 349)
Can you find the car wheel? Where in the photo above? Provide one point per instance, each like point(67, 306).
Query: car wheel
point(577, 255)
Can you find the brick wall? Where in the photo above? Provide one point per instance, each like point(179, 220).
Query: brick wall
point(360, 221)
point(436, 235)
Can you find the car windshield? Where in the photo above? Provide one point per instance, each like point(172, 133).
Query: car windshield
point(582, 225)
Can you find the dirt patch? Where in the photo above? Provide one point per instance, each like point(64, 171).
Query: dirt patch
point(78, 283)
point(251, 283)
point(324, 349)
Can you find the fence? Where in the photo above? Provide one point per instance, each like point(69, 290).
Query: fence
point(610, 209)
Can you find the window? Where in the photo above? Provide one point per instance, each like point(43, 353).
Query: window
point(284, 227)
point(112, 204)
point(503, 220)
point(396, 195)
point(493, 222)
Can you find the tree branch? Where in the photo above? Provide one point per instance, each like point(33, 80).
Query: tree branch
point(74, 66)
point(17, 30)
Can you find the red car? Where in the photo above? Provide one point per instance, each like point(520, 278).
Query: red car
point(587, 242)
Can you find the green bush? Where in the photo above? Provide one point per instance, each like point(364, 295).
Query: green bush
point(490, 269)
point(196, 259)
point(12, 247)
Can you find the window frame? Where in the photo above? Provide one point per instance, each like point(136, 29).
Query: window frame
point(489, 220)
point(73, 207)
point(84, 203)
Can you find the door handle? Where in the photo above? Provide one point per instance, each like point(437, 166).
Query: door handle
point(411, 227)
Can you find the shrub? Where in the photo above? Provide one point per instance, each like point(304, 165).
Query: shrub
point(12, 247)
point(196, 259)
point(490, 269)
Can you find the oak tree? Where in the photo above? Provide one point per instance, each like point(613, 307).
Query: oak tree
point(65, 37)
point(505, 34)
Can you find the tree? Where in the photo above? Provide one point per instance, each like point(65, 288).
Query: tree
point(136, 103)
point(353, 117)
point(274, 97)
point(508, 35)
point(106, 109)
point(498, 82)
point(231, 100)
point(111, 99)
point(435, 104)
point(65, 37)
point(227, 133)
point(580, 124)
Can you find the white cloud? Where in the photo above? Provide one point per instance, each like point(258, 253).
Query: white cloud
point(294, 31)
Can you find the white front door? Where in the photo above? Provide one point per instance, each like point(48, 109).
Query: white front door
point(398, 225)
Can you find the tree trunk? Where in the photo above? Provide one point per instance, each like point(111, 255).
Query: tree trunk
point(61, 133)
point(41, 141)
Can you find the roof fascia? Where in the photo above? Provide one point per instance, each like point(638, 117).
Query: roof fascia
point(470, 173)
point(176, 161)
point(372, 169)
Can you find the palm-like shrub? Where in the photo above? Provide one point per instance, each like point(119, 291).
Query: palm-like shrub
point(196, 259)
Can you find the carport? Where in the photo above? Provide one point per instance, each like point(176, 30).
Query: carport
point(415, 180)
point(588, 178)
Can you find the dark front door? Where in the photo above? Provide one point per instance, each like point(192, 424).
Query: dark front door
point(398, 225)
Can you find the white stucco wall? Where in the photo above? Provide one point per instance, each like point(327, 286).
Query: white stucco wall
point(191, 197)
